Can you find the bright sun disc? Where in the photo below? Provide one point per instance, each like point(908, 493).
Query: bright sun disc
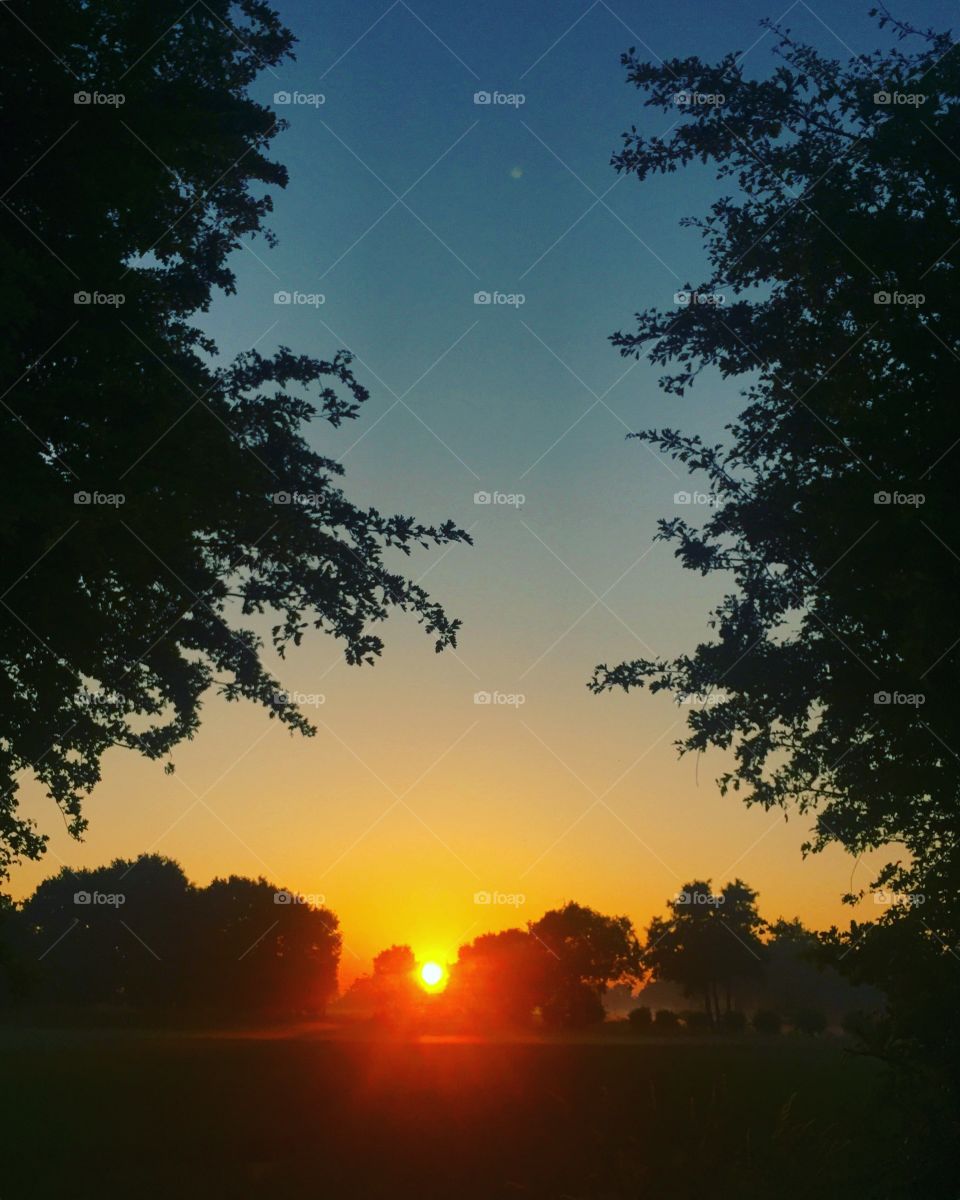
point(431, 973)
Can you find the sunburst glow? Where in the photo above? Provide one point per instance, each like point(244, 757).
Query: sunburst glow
point(431, 974)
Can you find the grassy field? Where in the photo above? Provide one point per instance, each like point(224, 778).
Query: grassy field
point(310, 1113)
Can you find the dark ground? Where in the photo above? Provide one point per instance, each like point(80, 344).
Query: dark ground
point(346, 1115)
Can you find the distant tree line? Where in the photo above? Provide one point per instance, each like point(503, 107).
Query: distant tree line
point(712, 948)
point(138, 935)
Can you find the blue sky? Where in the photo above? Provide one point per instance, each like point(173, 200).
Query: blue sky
point(406, 198)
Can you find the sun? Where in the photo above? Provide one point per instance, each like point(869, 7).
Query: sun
point(432, 975)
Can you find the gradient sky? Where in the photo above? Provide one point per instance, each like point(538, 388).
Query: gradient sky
point(405, 199)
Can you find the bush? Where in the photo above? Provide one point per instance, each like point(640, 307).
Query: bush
point(765, 1020)
point(810, 1021)
point(695, 1020)
point(666, 1020)
point(733, 1022)
point(641, 1019)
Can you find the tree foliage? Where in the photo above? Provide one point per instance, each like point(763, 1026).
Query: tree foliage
point(709, 943)
point(832, 659)
point(118, 616)
point(586, 952)
point(136, 934)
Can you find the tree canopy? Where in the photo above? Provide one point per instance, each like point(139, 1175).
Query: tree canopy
point(708, 943)
point(136, 934)
point(159, 507)
point(830, 296)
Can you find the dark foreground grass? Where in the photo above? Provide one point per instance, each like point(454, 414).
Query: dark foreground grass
point(94, 1114)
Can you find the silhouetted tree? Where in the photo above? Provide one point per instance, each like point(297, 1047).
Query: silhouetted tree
point(136, 934)
point(395, 960)
point(500, 978)
point(116, 935)
point(640, 1018)
point(708, 943)
point(831, 294)
point(262, 950)
point(586, 951)
point(154, 503)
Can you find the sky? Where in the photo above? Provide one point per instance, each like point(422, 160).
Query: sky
point(407, 198)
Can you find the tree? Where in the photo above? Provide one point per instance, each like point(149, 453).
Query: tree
point(137, 934)
point(500, 979)
point(831, 295)
point(117, 935)
point(587, 952)
point(162, 514)
point(708, 943)
point(262, 950)
point(395, 960)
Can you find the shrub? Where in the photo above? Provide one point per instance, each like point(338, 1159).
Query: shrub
point(765, 1020)
point(695, 1020)
point(810, 1021)
point(666, 1020)
point(733, 1022)
point(641, 1019)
